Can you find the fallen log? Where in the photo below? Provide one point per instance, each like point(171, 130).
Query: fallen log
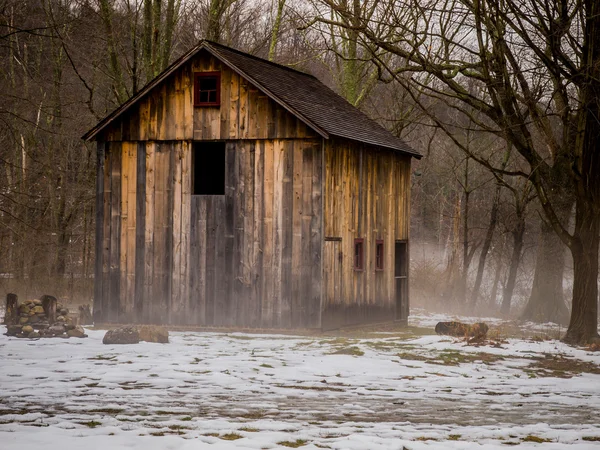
point(459, 329)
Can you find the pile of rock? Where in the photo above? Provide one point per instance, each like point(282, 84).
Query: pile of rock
point(42, 318)
point(135, 334)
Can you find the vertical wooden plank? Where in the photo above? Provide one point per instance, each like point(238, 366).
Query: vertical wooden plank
point(149, 295)
point(211, 293)
point(187, 83)
point(267, 284)
point(298, 283)
point(162, 116)
point(238, 303)
point(200, 269)
point(140, 242)
point(159, 307)
point(144, 106)
point(225, 97)
point(262, 118)
point(124, 198)
point(234, 97)
point(223, 250)
point(287, 196)
point(178, 306)
point(307, 214)
point(186, 178)
point(114, 307)
point(152, 117)
point(243, 114)
point(128, 229)
point(253, 95)
point(316, 239)
point(99, 285)
point(228, 277)
point(106, 248)
point(258, 272)
point(278, 166)
point(194, 252)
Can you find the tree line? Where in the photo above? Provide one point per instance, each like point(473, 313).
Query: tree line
point(501, 96)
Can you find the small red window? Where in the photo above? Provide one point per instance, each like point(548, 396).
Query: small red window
point(207, 88)
point(379, 255)
point(358, 254)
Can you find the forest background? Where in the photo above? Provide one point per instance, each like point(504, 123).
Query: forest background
point(500, 96)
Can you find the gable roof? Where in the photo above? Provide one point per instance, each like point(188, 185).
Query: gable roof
point(300, 93)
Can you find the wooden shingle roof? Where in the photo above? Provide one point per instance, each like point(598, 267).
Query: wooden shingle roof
point(300, 93)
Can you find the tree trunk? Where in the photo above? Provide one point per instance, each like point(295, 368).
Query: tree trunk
point(215, 13)
point(275, 30)
point(546, 303)
point(583, 326)
point(514, 265)
point(494, 294)
point(487, 243)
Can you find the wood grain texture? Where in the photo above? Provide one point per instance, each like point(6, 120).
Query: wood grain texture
point(167, 112)
point(366, 196)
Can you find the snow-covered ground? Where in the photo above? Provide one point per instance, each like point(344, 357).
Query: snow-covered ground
point(390, 390)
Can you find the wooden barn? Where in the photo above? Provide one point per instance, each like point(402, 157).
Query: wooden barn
point(235, 192)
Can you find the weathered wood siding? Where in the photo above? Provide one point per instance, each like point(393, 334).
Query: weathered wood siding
point(251, 257)
point(367, 194)
point(167, 112)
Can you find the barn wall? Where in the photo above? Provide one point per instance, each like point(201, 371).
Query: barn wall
point(170, 257)
point(367, 195)
point(167, 112)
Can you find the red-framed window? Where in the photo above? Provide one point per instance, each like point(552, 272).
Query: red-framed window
point(207, 88)
point(359, 254)
point(379, 254)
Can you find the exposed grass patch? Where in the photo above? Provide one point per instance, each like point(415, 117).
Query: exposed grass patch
point(231, 437)
point(91, 423)
point(353, 351)
point(452, 357)
point(295, 444)
point(591, 438)
point(111, 411)
point(311, 388)
point(560, 367)
point(532, 438)
point(267, 366)
point(211, 434)
point(241, 338)
point(425, 438)
point(254, 415)
point(454, 437)
point(103, 358)
point(186, 419)
point(157, 433)
point(250, 429)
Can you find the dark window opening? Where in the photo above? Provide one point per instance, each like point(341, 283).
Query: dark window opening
point(358, 254)
point(208, 168)
point(207, 89)
point(379, 255)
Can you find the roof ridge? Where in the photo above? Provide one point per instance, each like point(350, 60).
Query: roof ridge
point(258, 58)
